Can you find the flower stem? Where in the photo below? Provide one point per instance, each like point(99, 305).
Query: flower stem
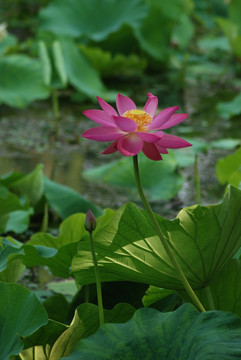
point(98, 282)
point(209, 298)
point(164, 242)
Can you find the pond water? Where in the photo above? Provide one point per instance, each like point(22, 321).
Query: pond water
point(28, 138)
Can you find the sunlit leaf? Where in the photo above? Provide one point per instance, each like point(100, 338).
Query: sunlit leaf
point(41, 341)
point(202, 238)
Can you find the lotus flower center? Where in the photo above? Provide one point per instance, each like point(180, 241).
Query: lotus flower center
point(140, 117)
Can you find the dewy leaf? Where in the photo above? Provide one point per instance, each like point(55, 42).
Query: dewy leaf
point(202, 238)
point(21, 314)
point(86, 323)
point(94, 19)
point(21, 81)
point(179, 335)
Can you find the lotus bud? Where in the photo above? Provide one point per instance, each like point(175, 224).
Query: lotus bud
point(90, 221)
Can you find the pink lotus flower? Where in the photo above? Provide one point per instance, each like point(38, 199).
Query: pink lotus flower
point(132, 130)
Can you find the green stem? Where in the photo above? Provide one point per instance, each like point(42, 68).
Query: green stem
point(209, 298)
point(45, 221)
point(98, 282)
point(165, 244)
point(197, 180)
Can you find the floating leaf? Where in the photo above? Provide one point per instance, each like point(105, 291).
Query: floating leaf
point(202, 238)
point(182, 334)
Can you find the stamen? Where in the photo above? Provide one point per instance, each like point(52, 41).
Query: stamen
point(141, 118)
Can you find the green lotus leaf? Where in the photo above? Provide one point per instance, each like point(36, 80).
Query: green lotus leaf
point(228, 170)
point(151, 335)
point(65, 201)
point(21, 81)
point(21, 314)
point(86, 323)
point(94, 19)
point(30, 185)
point(202, 238)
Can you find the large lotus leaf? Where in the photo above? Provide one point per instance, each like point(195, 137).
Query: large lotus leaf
point(86, 323)
point(226, 288)
point(184, 334)
point(92, 18)
point(164, 185)
point(202, 238)
point(41, 342)
point(228, 170)
point(21, 314)
point(21, 81)
point(65, 201)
